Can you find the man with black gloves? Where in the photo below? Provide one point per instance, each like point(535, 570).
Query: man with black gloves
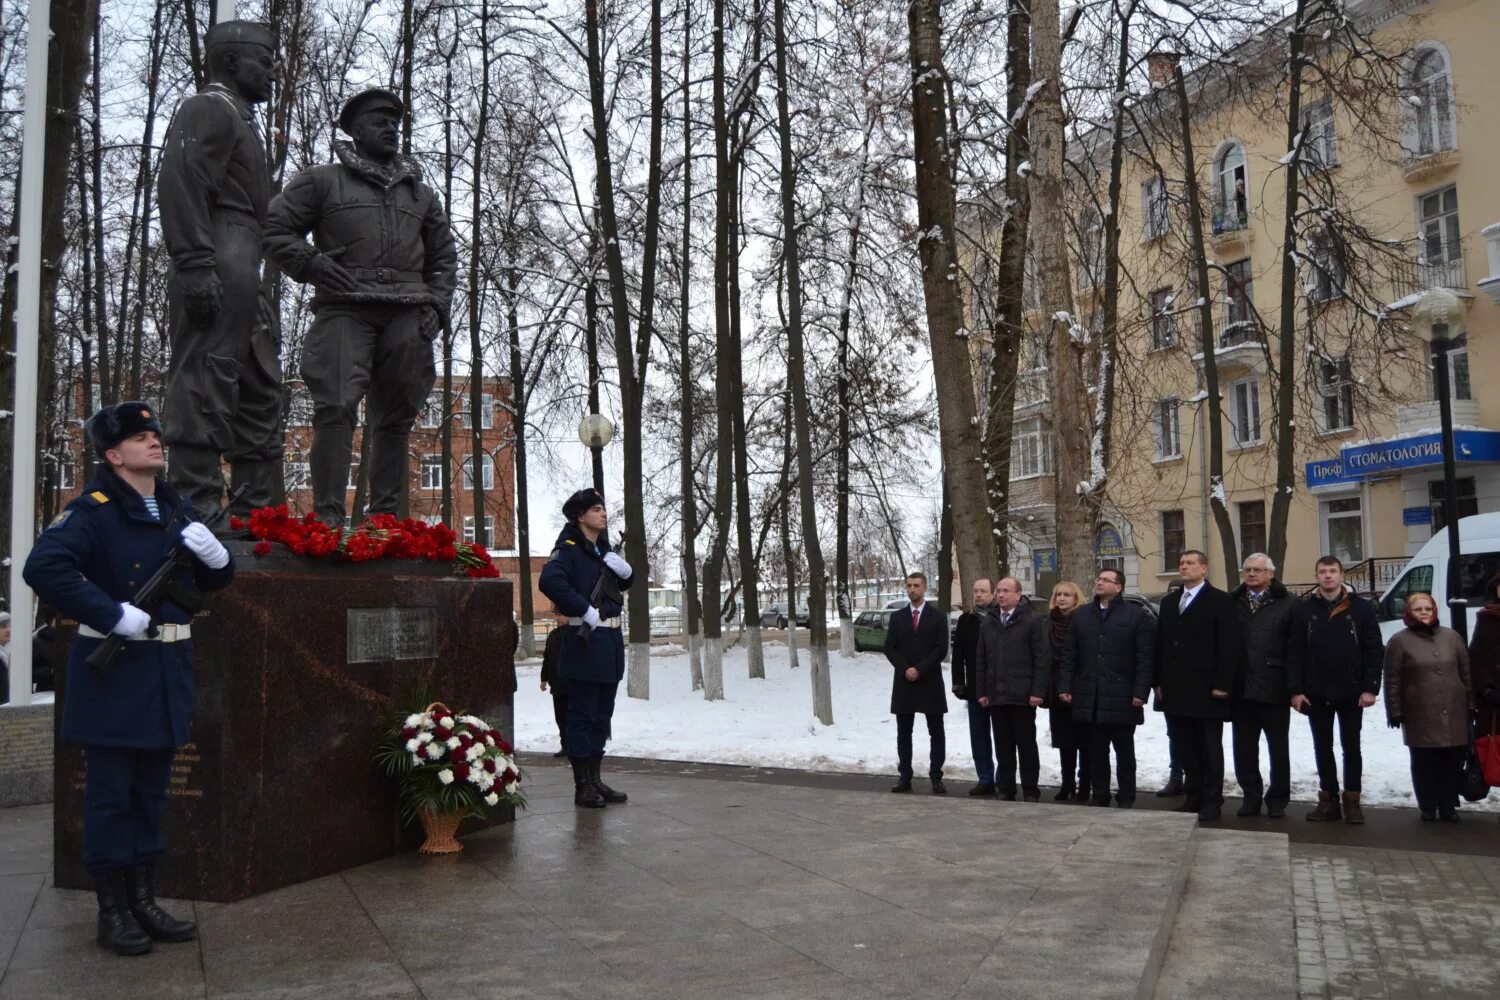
point(1260, 703)
point(966, 689)
point(1336, 663)
point(592, 655)
point(89, 564)
point(1012, 670)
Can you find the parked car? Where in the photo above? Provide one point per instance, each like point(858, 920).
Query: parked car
point(1427, 572)
point(776, 617)
point(870, 628)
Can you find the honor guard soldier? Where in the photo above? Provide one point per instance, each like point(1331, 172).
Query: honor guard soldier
point(130, 718)
point(584, 579)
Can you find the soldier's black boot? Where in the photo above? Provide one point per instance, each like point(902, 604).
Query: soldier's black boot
point(584, 792)
point(605, 792)
point(158, 923)
point(118, 930)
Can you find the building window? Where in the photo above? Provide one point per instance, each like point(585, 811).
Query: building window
point(1441, 247)
point(1030, 449)
point(1326, 254)
point(1231, 182)
point(432, 472)
point(298, 474)
point(1090, 247)
point(1337, 390)
point(1109, 549)
point(1035, 352)
point(1163, 323)
point(1320, 143)
point(66, 471)
point(489, 529)
point(1154, 219)
point(1173, 539)
point(1429, 94)
point(486, 412)
point(1468, 504)
point(299, 408)
point(1458, 369)
point(1345, 529)
point(432, 414)
point(1252, 527)
point(1244, 412)
point(487, 475)
point(1168, 428)
point(353, 483)
point(1239, 304)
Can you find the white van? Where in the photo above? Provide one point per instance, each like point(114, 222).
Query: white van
point(1479, 541)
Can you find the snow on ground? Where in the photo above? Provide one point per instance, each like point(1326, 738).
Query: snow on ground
point(770, 723)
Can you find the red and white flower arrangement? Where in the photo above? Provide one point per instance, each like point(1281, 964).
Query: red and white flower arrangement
point(383, 536)
point(450, 762)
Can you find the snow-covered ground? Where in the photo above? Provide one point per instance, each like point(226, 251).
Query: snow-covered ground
point(770, 723)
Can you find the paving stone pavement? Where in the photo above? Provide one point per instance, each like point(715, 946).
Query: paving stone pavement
point(1405, 925)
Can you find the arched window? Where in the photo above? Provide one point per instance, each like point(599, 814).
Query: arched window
point(1429, 94)
point(1231, 182)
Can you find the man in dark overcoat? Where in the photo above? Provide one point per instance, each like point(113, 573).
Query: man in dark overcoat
point(224, 387)
point(1260, 703)
point(916, 640)
point(1012, 670)
point(1106, 677)
point(966, 688)
point(591, 658)
point(383, 264)
point(89, 564)
point(1198, 649)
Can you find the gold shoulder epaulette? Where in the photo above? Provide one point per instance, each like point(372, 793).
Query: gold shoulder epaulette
point(99, 497)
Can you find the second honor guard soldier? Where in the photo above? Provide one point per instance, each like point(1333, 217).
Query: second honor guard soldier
point(130, 718)
point(592, 659)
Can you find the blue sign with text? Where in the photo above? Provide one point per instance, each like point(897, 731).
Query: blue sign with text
point(1423, 451)
point(1416, 515)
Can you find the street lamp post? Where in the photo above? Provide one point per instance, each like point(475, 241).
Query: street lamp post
point(595, 431)
point(1437, 319)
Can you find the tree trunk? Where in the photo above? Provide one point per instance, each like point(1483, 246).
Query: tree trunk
point(843, 597)
point(1069, 398)
point(1212, 400)
point(822, 689)
point(446, 417)
point(788, 560)
point(477, 454)
point(692, 613)
point(520, 398)
point(945, 553)
point(958, 421)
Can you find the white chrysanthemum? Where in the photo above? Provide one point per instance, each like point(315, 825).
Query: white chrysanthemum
point(492, 799)
point(452, 743)
point(413, 745)
point(446, 722)
point(415, 720)
point(510, 789)
point(416, 761)
point(476, 778)
point(424, 737)
point(434, 750)
point(446, 776)
point(489, 739)
point(474, 752)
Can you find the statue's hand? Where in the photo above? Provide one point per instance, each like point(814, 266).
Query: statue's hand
point(432, 322)
point(325, 272)
point(201, 292)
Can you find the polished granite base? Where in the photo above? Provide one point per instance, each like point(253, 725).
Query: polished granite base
point(296, 662)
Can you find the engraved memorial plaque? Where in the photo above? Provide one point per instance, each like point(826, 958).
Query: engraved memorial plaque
point(377, 635)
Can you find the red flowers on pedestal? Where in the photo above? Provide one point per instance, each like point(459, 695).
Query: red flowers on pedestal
point(383, 536)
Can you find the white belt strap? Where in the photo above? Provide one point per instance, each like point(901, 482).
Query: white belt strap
point(603, 622)
point(164, 633)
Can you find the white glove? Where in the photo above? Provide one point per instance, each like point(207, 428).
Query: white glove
point(620, 567)
point(591, 618)
point(202, 543)
point(133, 621)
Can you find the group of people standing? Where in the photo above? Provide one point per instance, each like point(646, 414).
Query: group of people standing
point(1248, 657)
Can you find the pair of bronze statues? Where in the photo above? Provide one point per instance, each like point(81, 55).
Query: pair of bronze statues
point(365, 231)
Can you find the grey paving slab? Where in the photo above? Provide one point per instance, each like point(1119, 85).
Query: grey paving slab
point(18, 894)
point(26, 840)
point(901, 950)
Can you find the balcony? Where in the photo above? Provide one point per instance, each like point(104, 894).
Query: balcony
point(1412, 277)
point(1425, 416)
point(1491, 285)
point(1231, 232)
point(1241, 350)
point(1427, 167)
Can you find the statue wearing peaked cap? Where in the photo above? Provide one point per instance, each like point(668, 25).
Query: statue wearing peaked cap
point(224, 391)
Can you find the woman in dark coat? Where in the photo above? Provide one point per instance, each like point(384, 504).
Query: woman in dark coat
point(1069, 736)
point(1484, 660)
point(1429, 696)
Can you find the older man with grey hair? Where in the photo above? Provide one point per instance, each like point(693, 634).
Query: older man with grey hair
point(1260, 697)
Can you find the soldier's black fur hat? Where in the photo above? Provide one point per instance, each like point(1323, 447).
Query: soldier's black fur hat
point(239, 33)
point(366, 100)
point(579, 503)
point(114, 424)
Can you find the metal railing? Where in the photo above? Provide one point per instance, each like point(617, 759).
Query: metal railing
point(1419, 274)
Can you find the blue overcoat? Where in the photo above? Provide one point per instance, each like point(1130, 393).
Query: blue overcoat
point(97, 553)
point(568, 580)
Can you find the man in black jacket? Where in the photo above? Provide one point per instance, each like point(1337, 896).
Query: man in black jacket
point(1197, 652)
point(965, 641)
point(1260, 696)
point(1011, 670)
point(915, 642)
point(1336, 661)
point(1106, 678)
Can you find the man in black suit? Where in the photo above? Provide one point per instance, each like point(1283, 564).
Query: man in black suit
point(916, 640)
point(1197, 652)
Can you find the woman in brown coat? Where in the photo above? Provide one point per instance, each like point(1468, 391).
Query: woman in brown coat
point(1069, 736)
point(1429, 696)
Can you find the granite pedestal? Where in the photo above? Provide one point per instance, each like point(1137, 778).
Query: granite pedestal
point(295, 664)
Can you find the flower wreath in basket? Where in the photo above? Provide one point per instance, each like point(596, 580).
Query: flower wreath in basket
point(448, 762)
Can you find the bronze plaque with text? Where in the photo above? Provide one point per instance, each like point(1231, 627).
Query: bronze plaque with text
point(379, 635)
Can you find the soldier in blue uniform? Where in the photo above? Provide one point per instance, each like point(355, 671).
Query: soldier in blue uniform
point(88, 564)
point(592, 658)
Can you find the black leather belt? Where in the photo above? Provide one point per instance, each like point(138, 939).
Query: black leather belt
point(386, 275)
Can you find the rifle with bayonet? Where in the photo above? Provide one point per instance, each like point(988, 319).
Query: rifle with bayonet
point(606, 588)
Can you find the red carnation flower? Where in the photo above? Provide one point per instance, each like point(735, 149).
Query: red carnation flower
point(460, 772)
point(262, 548)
